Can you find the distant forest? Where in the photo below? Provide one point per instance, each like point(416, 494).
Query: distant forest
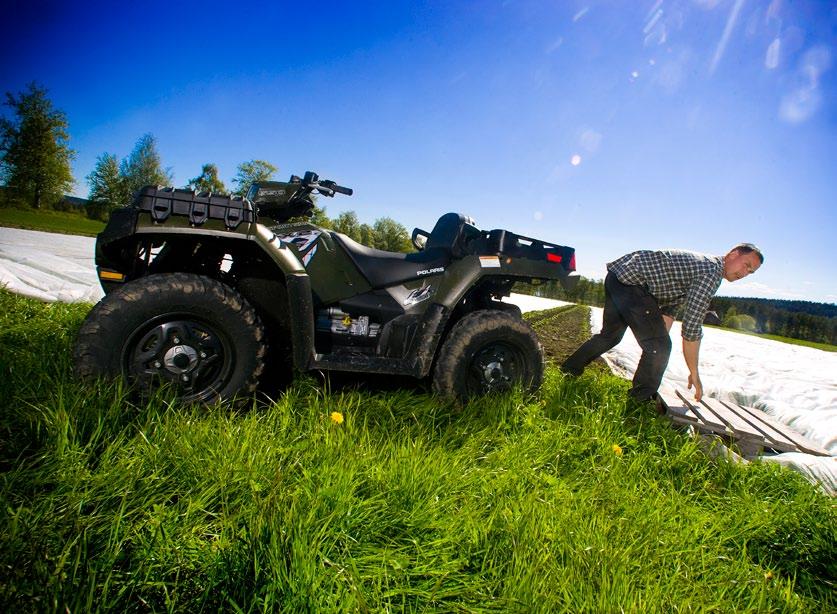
point(796, 319)
point(804, 320)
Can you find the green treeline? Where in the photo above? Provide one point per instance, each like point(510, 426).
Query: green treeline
point(586, 292)
point(805, 320)
point(795, 319)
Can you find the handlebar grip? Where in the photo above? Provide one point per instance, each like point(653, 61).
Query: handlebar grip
point(341, 190)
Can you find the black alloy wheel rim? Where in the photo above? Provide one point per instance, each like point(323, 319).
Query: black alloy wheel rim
point(180, 350)
point(496, 367)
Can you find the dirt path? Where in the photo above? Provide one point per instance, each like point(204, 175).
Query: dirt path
point(561, 330)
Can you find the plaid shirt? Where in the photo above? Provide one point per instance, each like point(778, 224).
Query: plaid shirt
point(674, 277)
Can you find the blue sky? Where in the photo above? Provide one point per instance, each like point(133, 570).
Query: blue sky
point(608, 126)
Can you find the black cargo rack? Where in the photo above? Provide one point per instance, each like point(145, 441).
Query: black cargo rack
point(505, 243)
point(199, 207)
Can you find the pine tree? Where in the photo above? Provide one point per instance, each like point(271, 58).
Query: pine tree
point(208, 180)
point(34, 151)
point(107, 188)
point(142, 167)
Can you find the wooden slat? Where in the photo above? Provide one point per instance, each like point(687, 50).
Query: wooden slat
point(679, 410)
point(742, 428)
point(803, 443)
point(706, 415)
point(703, 427)
point(748, 425)
point(777, 438)
point(682, 413)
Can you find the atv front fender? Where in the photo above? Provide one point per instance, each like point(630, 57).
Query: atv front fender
point(300, 299)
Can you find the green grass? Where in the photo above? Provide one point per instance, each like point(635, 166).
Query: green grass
point(827, 347)
point(50, 221)
point(510, 504)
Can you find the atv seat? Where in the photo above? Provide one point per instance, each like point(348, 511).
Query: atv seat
point(451, 234)
point(382, 269)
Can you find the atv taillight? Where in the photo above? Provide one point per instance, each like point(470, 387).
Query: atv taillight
point(572, 263)
point(553, 257)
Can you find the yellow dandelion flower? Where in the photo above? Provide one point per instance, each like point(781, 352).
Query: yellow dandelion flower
point(617, 450)
point(337, 417)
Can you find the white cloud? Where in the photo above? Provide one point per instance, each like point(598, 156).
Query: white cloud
point(590, 140)
point(728, 28)
point(672, 71)
point(800, 104)
point(581, 13)
point(805, 98)
point(771, 58)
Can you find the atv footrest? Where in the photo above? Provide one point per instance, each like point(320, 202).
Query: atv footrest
point(365, 364)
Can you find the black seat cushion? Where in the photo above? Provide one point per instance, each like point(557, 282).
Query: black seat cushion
point(384, 269)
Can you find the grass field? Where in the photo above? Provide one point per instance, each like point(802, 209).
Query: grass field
point(50, 221)
point(826, 347)
point(570, 501)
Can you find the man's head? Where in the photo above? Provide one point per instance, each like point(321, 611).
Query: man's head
point(742, 260)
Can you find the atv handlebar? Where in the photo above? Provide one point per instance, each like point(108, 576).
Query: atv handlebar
point(341, 190)
point(326, 187)
point(330, 186)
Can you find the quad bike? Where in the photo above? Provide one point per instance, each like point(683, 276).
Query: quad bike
point(213, 294)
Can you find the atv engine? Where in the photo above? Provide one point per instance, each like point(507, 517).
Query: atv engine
point(336, 328)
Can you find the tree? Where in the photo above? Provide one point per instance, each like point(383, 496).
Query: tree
point(367, 235)
point(348, 224)
point(107, 188)
point(251, 172)
point(34, 152)
point(728, 320)
point(741, 322)
point(391, 236)
point(142, 167)
point(319, 217)
point(208, 180)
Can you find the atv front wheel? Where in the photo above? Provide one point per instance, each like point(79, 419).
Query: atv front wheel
point(488, 351)
point(186, 330)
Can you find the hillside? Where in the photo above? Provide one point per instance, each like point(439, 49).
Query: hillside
point(568, 501)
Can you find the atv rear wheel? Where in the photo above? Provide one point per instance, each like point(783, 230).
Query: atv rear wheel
point(488, 351)
point(186, 330)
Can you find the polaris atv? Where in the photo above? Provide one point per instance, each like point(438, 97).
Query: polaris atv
point(214, 293)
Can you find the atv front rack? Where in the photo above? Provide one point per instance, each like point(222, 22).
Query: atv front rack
point(199, 207)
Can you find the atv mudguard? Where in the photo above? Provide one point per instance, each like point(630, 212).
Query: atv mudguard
point(118, 247)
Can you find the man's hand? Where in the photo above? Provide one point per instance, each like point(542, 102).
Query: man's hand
point(694, 380)
point(691, 350)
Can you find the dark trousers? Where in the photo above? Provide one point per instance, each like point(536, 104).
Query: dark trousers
point(635, 307)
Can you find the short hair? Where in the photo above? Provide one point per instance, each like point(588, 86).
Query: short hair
point(749, 248)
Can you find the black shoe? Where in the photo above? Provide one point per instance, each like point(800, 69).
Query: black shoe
point(569, 372)
point(660, 405)
point(653, 402)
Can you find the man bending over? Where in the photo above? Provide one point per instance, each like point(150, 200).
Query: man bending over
point(642, 290)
